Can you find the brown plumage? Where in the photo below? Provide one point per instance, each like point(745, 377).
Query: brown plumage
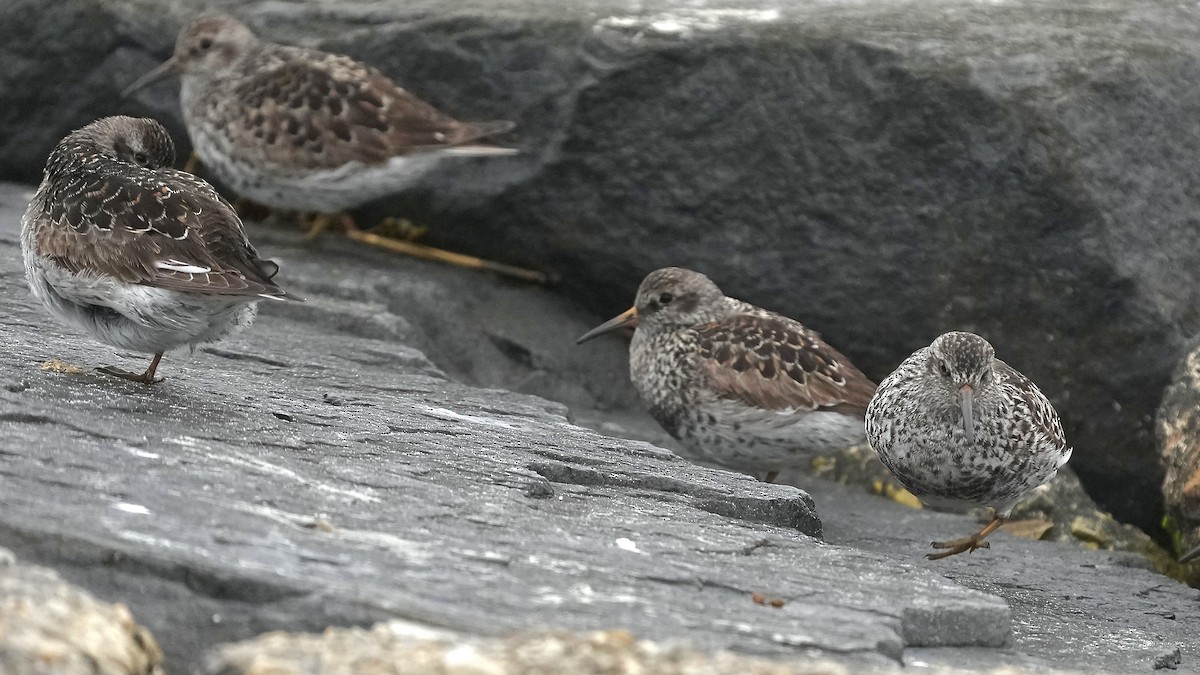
point(301, 129)
point(773, 362)
point(116, 224)
point(140, 255)
point(320, 111)
point(738, 385)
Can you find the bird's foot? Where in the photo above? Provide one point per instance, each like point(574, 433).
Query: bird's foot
point(400, 228)
point(956, 546)
point(323, 221)
point(142, 378)
point(966, 544)
point(192, 163)
point(440, 255)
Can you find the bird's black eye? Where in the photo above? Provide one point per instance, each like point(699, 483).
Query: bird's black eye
point(205, 43)
point(944, 369)
point(141, 159)
point(665, 299)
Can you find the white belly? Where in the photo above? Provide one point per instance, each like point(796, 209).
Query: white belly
point(752, 439)
point(134, 317)
point(323, 191)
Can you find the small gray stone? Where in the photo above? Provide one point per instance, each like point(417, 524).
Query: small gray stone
point(1169, 660)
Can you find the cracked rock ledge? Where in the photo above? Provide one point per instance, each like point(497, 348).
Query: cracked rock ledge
point(318, 470)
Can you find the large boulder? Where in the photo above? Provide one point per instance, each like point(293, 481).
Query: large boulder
point(884, 171)
point(49, 627)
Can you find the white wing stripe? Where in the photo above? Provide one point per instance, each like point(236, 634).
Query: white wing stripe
point(179, 266)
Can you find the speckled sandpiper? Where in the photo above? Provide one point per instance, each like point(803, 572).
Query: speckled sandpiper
point(959, 427)
point(739, 386)
point(136, 254)
point(304, 130)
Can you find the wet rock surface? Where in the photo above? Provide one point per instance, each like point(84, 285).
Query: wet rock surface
point(391, 648)
point(387, 649)
point(1021, 169)
point(1060, 510)
point(1063, 596)
point(49, 627)
point(320, 469)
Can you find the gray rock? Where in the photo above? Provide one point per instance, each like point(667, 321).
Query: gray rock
point(312, 472)
point(1021, 169)
point(49, 627)
point(320, 470)
point(391, 649)
point(1170, 660)
point(1093, 611)
point(1060, 510)
point(302, 475)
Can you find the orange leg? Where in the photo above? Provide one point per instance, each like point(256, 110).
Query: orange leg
point(966, 544)
point(425, 252)
point(193, 161)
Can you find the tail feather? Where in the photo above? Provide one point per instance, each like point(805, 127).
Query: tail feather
point(471, 139)
point(476, 130)
point(481, 151)
point(281, 295)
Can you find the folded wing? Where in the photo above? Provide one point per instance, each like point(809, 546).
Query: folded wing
point(772, 362)
point(163, 228)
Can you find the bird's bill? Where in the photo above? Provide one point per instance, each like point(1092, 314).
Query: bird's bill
point(966, 397)
point(1190, 555)
point(162, 71)
point(627, 318)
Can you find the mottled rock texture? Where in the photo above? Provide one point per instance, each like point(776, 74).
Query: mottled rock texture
point(318, 470)
point(49, 627)
point(390, 649)
point(321, 469)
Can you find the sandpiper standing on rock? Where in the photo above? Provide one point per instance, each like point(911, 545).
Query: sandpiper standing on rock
point(959, 427)
point(739, 386)
point(304, 130)
point(138, 255)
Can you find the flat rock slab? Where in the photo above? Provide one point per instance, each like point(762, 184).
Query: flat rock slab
point(1095, 611)
point(301, 475)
